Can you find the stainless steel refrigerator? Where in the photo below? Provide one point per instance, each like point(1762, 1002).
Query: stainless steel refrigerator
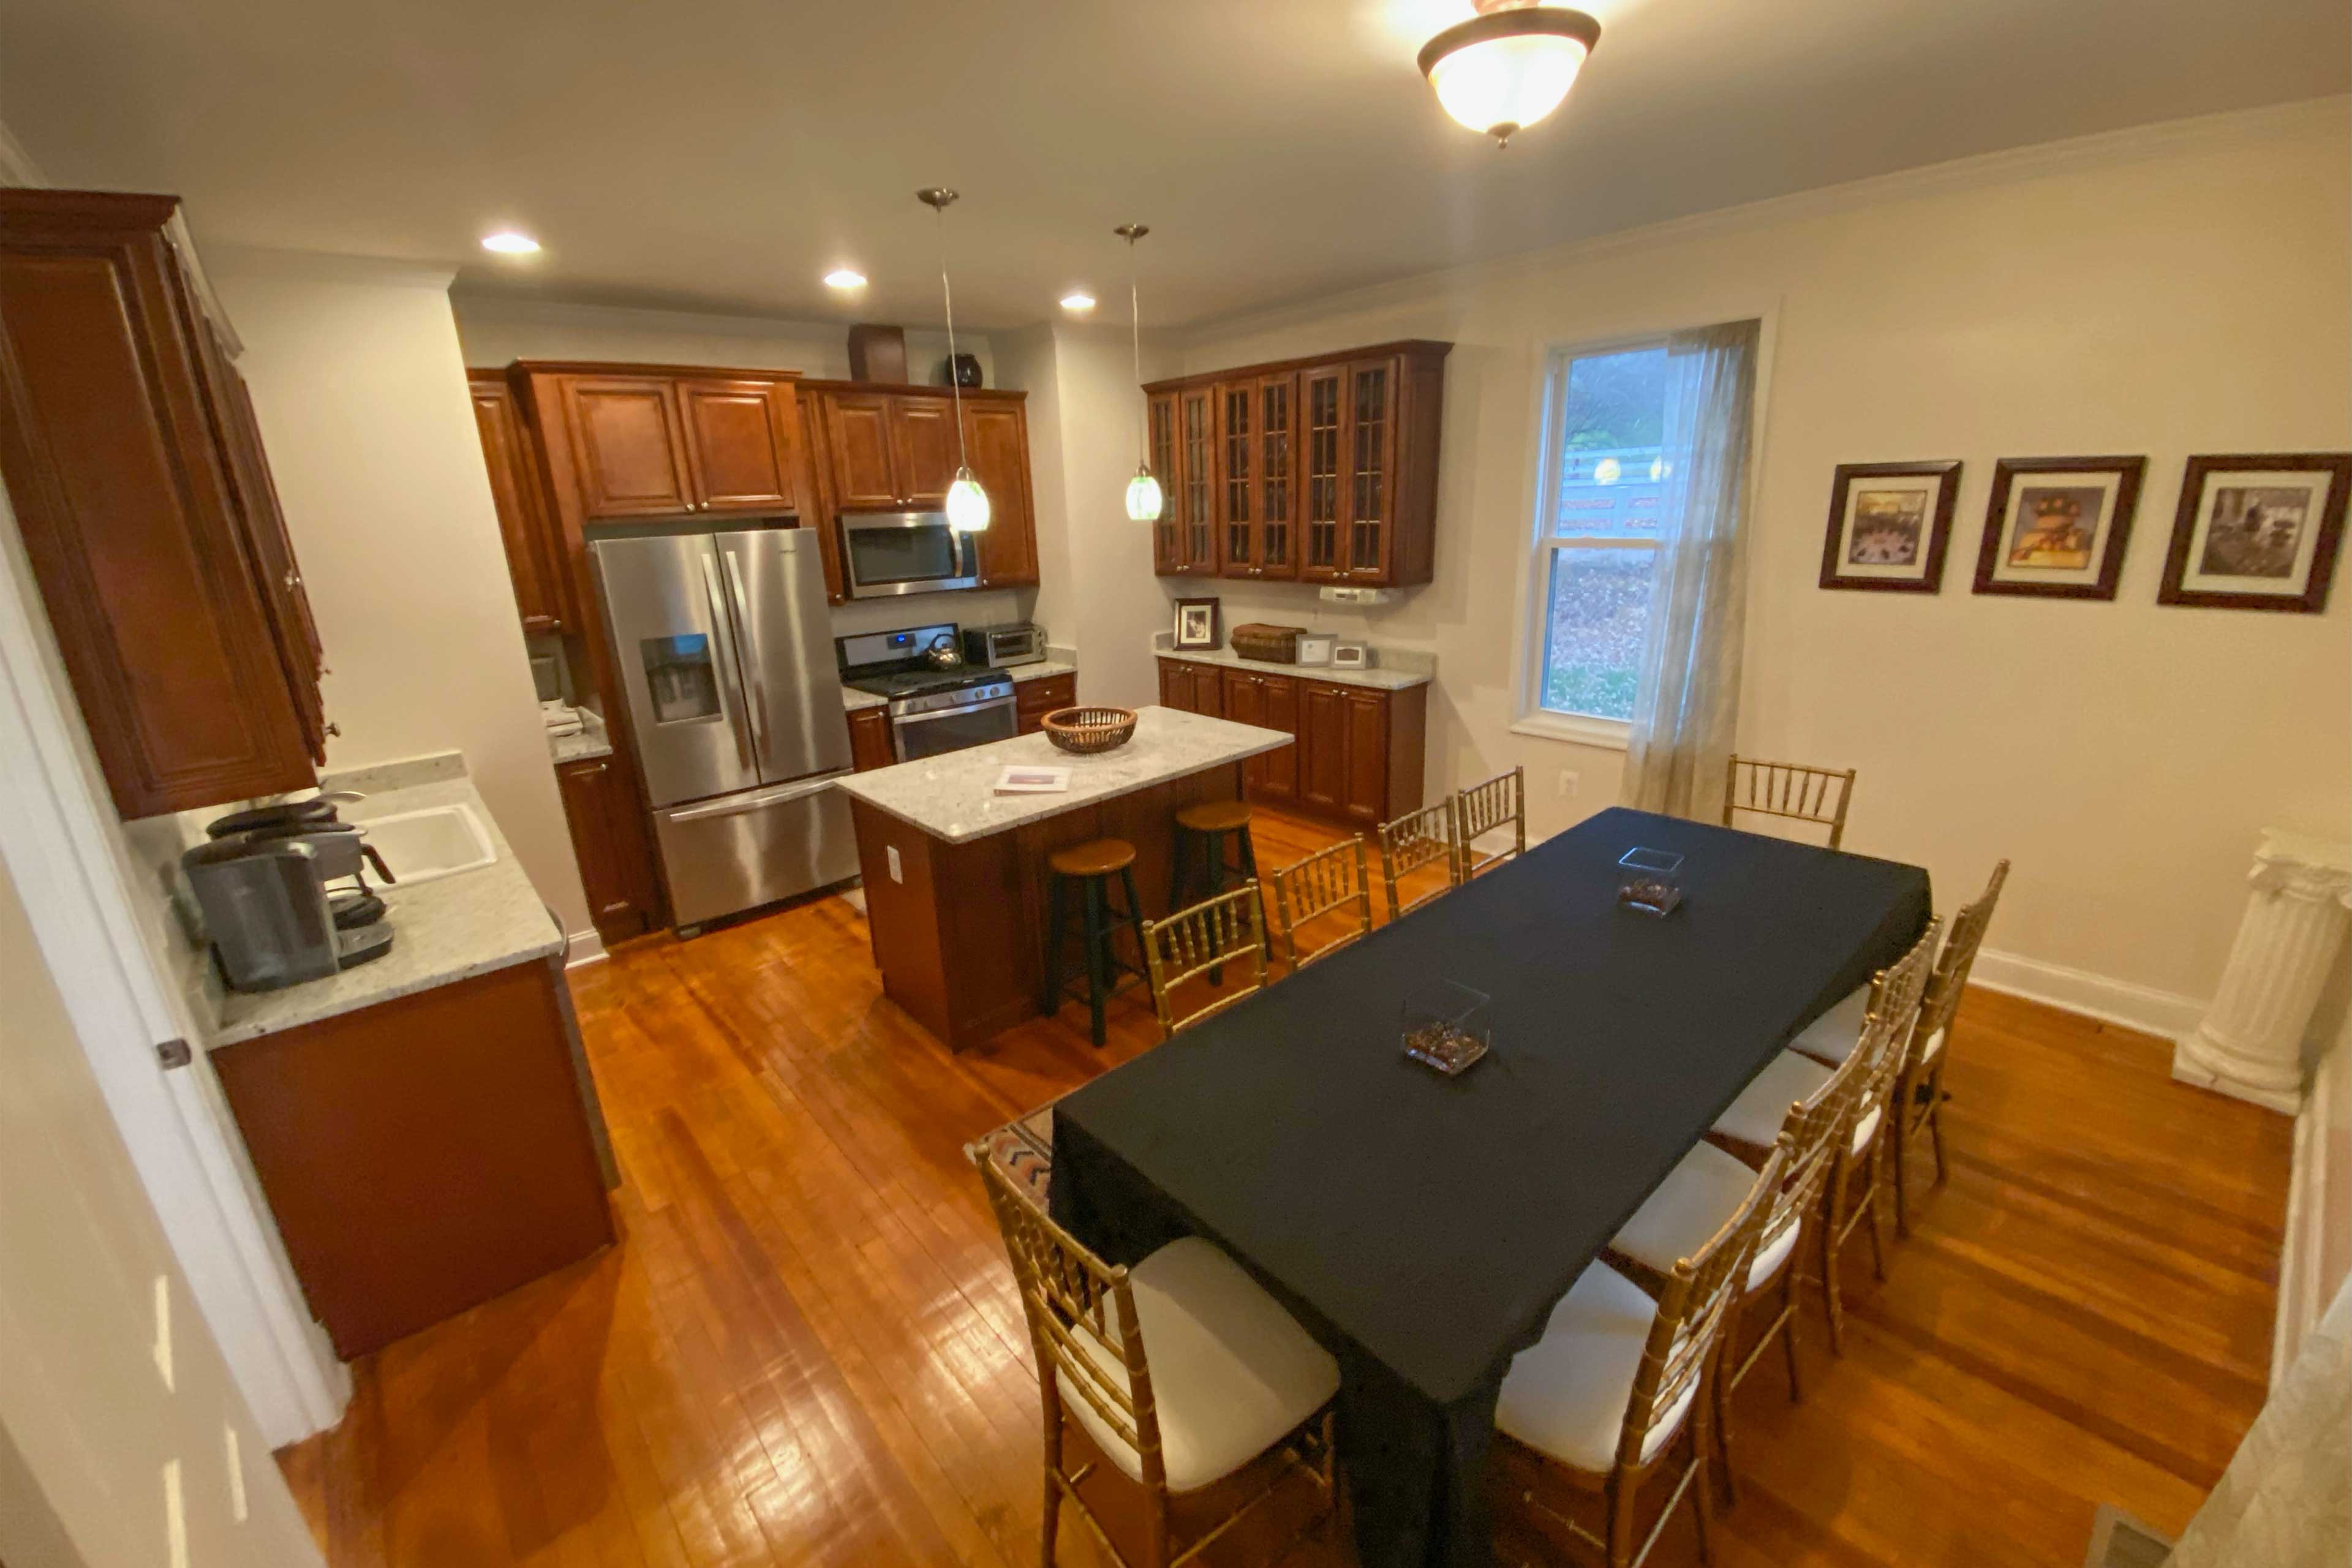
point(725, 651)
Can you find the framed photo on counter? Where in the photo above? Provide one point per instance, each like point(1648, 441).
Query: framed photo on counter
point(2055, 527)
point(2257, 531)
point(1198, 625)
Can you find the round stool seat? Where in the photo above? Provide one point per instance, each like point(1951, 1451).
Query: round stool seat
point(1214, 816)
point(1095, 857)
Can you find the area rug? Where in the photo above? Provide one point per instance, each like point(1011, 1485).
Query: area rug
point(1023, 1149)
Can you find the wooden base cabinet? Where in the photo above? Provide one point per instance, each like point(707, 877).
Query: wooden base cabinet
point(1359, 756)
point(428, 1153)
point(869, 740)
point(609, 840)
point(1033, 700)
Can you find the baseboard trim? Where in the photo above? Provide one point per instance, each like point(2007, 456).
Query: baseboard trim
point(2302, 1295)
point(585, 947)
point(2167, 1013)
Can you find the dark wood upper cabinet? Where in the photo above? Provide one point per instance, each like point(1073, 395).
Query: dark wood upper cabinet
point(740, 441)
point(923, 447)
point(628, 447)
point(1167, 537)
point(1322, 469)
point(996, 437)
point(865, 463)
point(140, 487)
point(533, 557)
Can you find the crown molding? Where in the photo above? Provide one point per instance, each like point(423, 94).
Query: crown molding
point(2106, 149)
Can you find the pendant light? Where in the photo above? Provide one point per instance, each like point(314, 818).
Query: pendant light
point(1143, 497)
point(968, 506)
point(1508, 66)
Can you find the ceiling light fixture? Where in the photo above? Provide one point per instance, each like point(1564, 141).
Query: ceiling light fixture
point(1079, 301)
point(968, 506)
point(507, 242)
point(1143, 497)
point(1509, 65)
point(843, 278)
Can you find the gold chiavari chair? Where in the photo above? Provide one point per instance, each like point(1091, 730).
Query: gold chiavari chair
point(1239, 1392)
point(1919, 1090)
point(1419, 839)
point(1793, 791)
point(1327, 882)
point(1501, 802)
point(1229, 929)
point(1617, 1377)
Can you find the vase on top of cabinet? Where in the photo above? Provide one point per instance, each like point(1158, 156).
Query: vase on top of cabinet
point(1321, 470)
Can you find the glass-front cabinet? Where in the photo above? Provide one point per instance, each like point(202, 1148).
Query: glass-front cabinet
point(1196, 480)
point(1276, 476)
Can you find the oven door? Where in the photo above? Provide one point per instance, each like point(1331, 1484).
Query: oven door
point(952, 728)
point(887, 552)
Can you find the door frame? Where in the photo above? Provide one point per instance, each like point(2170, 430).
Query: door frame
point(60, 837)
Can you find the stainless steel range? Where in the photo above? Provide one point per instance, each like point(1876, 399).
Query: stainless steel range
point(937, 703)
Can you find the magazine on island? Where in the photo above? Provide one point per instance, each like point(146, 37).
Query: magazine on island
point(1018, 780)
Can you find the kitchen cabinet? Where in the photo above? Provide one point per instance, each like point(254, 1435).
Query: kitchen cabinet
point(740, 445)
point(923, 447)
point(869, 740)
point(425, 1154)
point(660, 445)
point(1033, 700)
point(608, 838)
point(996, 437)
point(1321, 469)
point(144, 497)
point(1358, 752)
point(890, 451)
point(535, 561)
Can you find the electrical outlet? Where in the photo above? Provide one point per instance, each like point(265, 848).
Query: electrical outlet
point(892, 851)
point(1570, 780)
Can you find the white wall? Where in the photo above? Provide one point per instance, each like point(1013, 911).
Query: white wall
point(360, 391)
point(497, 328)
point(2166, 292)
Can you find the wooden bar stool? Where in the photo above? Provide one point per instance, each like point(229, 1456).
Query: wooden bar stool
point(1208, 825)
point(1091, 866)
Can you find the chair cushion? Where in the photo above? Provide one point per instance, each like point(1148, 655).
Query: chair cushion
point(1566, 1395)
point(1834, 1035)
point(1762, 1108)
point(1698, 1199)
point(1867, 1127)
point(1232, 1372)
point(1935, 1043)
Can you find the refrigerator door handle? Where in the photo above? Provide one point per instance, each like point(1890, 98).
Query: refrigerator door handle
point(719, 623)
point(737, 805)
point(757, 707)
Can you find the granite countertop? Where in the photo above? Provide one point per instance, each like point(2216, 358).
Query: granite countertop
point(589, 743)
point(852, 699)
point(443, 931)
point(1381, 677)
point(953, 796)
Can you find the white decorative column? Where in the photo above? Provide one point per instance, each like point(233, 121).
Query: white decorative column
point(2250, 1044)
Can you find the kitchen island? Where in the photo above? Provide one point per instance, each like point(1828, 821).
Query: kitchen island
point(957, 887)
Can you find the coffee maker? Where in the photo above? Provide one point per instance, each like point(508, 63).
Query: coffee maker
point(284, 895)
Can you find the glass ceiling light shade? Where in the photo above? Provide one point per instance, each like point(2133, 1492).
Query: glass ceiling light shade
point(968, 507)
point(1509, 65)
point(1143, 496)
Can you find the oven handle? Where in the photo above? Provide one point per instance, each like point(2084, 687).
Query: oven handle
point(964, 713)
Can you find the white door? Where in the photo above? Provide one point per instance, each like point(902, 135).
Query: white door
point(112, 1392)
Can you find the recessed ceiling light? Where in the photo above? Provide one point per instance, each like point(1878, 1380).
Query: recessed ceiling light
point(843, 278)
point(1078, 301)
point(507, 242)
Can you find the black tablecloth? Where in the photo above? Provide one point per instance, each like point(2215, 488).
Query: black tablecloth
point(1422, 1228)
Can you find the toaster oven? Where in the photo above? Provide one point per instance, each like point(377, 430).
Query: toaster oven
point(1016, 642)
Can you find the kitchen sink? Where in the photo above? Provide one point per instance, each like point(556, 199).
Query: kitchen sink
point(424, 846)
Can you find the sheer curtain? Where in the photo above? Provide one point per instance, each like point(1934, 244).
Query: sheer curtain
point(1689, 698)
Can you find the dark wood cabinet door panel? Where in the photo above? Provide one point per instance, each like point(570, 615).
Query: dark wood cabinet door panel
point(739, 443)
point(1238, 488)
point(1195, 497)
point(1278, 710)
point(1175, 685)
point(625, 441)
point(124, 496)
point(1320, 395)
point(865, 466)
point(1033, 700)
point(869, 740)
point(1167, 538)
point(923, 446)
point(533, 553)
point(1365, 716)
point(1322, 747)
point(610, 843)
point(1245, 704)
point(1277, 474)
point(996, 437)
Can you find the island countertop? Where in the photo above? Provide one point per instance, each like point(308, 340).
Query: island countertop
point(953, 796)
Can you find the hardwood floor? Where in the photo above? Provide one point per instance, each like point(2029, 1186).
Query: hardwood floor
point(807, 1349)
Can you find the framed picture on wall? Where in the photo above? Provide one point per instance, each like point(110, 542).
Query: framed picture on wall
point(2257, 531)
point(1196, 622)
point(1889, 525)
point(2055, 527)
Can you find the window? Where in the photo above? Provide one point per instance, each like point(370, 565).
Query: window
point(1597, 533)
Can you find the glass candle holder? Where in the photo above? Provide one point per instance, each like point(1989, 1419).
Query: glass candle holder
point(1650, 882)
point(1446, 1025)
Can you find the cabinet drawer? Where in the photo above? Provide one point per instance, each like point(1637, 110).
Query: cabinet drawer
point(1033, 700)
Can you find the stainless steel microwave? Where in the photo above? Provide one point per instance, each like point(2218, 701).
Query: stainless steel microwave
point(887, 552)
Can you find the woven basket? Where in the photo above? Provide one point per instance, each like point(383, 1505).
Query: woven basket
point(1270, 644)
point(1086, 731)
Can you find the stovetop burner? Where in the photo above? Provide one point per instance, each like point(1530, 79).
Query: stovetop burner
point(923, 683)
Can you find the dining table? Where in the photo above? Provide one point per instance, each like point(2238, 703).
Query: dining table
point(1422, 1227)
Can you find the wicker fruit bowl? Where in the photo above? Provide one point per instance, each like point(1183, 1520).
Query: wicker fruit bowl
point(1086, 731)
